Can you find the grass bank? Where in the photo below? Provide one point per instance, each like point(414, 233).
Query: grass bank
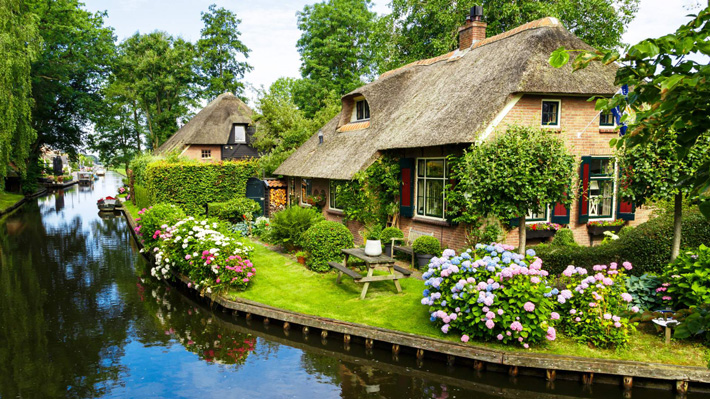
point(118, 169)
point(9, 199)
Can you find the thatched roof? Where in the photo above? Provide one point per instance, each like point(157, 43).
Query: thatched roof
point(449, 99)
point(211, 126)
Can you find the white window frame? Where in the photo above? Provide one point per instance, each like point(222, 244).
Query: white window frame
point(615, 189)
point(353, 116)
point(331, 194)
point(545, 220)
point(559, 113)
point(416, 187)
point(234, 130)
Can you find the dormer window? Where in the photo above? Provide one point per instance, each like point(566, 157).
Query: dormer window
point(361, 111)
point(238, 135)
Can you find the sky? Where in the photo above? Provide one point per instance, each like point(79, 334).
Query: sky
point(269, 29)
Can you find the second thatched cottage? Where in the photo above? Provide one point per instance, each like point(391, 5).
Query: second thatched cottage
point(429, 109)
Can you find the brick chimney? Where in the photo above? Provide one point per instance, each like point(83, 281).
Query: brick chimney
point(474, 30)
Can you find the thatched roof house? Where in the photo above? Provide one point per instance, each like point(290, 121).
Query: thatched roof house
point(432, 108)
point(221, 130)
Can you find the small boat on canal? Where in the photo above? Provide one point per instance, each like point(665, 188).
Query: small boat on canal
point(85, 178)
point(107, 204)
point(100, 171)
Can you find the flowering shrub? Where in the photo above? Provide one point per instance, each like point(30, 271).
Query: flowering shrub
point(261, 226)
point(490, 294)
point(151, 219)
point(607, 223)
point(544, 226)
point(199, 250)
point(688, 279)
point(593, 306)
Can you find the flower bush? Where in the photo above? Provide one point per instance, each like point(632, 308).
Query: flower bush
point(544, 226)
point(687, 279)
point(324, 242)
point(491, 294)
point(261, 226)
point(150, 220)
point(607, 223)
point(593, 307)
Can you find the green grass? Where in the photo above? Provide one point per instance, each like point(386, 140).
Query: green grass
point(121, 170)
point(8, 199)
point(288, 285)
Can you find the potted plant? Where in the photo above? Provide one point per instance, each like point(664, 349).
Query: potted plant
point(541, 230)
point(425, 247)
point(386, 237)
point(373, 245)
point(598, 228)
point(301, 257)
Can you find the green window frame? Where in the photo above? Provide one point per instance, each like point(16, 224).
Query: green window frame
point(333, 202)
point(606, 119)
point(551, 113)
point(602, 187)
point(537, 215)
point(431, 187)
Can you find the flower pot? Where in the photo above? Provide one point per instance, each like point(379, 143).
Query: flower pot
point(599, 230)
point(301, 259)
point(388, 249)
point(373, 247)
point(423, 260)
point(539, 233)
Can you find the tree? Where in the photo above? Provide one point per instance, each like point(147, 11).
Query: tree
point(420, 30)
point(670, 91)
point(520, 170)
point(117, 133)
point(335, 51)
point(653, 172)
point(19, 45)
point(219, 47)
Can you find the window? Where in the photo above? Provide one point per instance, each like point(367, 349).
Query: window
point(206, 154)
point(606, 119)
point(539, 215)
point(601, 187)
point(306, 189)
point(431, 180)
point(362, 110)
point(240, 134)
point(333, 198)
point(551, 113)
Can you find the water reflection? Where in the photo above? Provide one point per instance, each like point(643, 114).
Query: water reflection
point(81, 318)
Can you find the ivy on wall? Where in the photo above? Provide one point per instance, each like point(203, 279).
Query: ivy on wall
point(372, 196)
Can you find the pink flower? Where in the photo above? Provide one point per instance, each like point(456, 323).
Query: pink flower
point(500, 337)
point(188, 256)
point(490, 315)
point(445, 328)
point(490, 324)
point(577, 319)
point(500, 312)
point(607, 316)
point(617, 324)
point(520, 339)
point(667, 298)
point(551, 334)
point(627, 265)
point(218, 280)
point(464, 338)
point(529, 306)
point(535, 280)
point(592, 304)
point(555, 316)
point(626, 296)
point(516, 326)
point(508, 333)
point(635, 309)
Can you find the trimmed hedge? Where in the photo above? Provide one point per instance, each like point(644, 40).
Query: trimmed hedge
point(141, 196)
point(647, 247)
point(234, 209)
point(426, 245)
point(138, 166)
point(324, 242)
point(192, 185)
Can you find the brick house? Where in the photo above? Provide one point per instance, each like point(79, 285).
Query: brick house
point(429, 109)
point(222, 130)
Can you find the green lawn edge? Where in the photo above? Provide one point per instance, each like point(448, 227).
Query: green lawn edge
point(7, 200)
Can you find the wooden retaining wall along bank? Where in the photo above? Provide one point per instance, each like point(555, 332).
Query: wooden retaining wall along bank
point(551, 367)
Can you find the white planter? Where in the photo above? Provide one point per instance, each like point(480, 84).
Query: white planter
point(373, 247)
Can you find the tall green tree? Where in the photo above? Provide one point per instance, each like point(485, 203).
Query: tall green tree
point(424, 29)
point(520, 170)
point(335, 51)
point(19, 46)
point(219, 50)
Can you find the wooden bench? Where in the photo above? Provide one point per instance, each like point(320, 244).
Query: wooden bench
point(407, 247)
point(344, 270)
point(405, 272)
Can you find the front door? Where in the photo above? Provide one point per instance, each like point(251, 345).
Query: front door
point(255, 191)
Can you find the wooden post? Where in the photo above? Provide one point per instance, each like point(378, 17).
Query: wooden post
point(346, 338)
point(420, 353)
point(450, 359)
point(286, 325)
point(248, 316)
point(369, 343)
point(305, 330)
point(324, 334)
point(395, 349)
point(668, 335)
point(266, 321)
point(346, 346)
point(513, 371)
point(551, 375)
point(478, 365)
point(588, 378)
point(681, 387)
point(628, 382)
point(365, 286)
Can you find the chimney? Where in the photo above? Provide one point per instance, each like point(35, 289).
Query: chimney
point(474, 30)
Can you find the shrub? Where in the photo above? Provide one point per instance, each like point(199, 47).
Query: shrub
point(490, 294)
point(240, 229)
point(138, 166)
point(234, 210)
point(564, 238)
point(288, 226)
point(141, 196)
point(323, 242)
point(592, 308)
point(152, 221)
point(692, 322)
point(688, 278)
point(373, 232)
point(261, 226)
point(644, 290)
point(426, 245)
point(389, 233)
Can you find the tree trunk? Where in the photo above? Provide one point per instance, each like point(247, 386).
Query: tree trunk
point(677, 225)
point(521, 234)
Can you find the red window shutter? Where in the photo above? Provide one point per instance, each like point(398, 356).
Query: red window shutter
point(560, 214)
point(406, 207)
point(584, 190)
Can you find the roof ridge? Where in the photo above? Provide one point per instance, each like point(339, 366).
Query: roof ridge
point(538, 23)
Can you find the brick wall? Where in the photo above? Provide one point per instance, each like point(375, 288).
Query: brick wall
point(194, 151)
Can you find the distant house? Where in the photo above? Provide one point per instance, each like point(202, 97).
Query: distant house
point(429, 109)
point(223, 130)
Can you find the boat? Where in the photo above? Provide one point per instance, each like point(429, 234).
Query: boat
point(100, 171)
point(107, 204)
point(85, 178)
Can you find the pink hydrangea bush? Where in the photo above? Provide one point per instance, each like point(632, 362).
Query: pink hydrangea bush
point(490, 294)
point(594, 305)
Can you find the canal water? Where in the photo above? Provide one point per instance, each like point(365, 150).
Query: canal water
point(81, 318)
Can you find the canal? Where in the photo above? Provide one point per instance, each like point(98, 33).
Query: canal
point(81, 318)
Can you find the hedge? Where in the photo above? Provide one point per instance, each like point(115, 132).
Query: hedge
point(647, 247)
point(141, 196)
point(193, 185)
point(324, 242)
point(234, 209)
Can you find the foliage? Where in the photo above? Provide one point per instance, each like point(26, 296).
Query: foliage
point(689, 278)
point(289, 225)
point(607, 223)
point(426, 245)
point(373, 232)
point(19, 46)
point(563, 238)
point(643, 289)
point(201, 250)
point(153, 219)
point(490, 294)
point(141, 196)
point(518, 170)
point(388, 233)
point(371, 197)
point(668, 88)
point(324, 242)
point(138, 165)
point(543, 226)
point(416, 30)
point(192, 185)
point(693, 322)
point(233, 210)
point(261, 227)
point(219, 47)
point(593, 307)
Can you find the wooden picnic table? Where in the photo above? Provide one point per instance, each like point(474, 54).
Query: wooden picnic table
point(372, 262)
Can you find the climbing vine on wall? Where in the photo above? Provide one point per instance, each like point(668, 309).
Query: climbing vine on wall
point(372, 196)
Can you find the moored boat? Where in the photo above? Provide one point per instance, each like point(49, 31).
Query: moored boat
point(107, 204)
point(100, 171)
point(85, 177)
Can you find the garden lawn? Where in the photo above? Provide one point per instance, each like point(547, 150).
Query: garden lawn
point(118, 169)
point(285, 284)
point(8, 199)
